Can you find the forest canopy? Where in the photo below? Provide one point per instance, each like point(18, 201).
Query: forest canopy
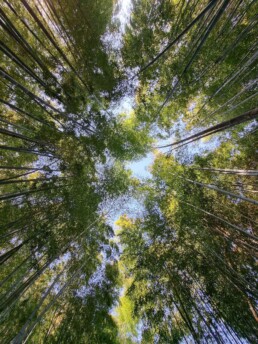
point(91, 250)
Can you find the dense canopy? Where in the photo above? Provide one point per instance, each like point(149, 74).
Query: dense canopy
point(92, 251)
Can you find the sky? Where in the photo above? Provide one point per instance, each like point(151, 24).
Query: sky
point(141, 168)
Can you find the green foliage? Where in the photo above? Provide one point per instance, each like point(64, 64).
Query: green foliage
point(190, 254)
point(183, 268)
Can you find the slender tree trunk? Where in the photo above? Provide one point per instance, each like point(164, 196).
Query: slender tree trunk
point(20, 111)
point(34, 169)
point(35, 35)
point(12, 31)
point(22, 137)
point(4, 257)
point(24, 335)
point(198, 48)
point(34, 97)
point(247, 116)
point(207, 8)
point(228, 171)
point(27, 150)
point(23, 193)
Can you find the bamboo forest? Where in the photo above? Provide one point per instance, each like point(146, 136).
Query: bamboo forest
point(128, 171)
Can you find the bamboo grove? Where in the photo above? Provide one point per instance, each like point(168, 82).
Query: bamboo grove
point(183, 267)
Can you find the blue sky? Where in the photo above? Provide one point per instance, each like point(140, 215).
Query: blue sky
point(140, 168)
